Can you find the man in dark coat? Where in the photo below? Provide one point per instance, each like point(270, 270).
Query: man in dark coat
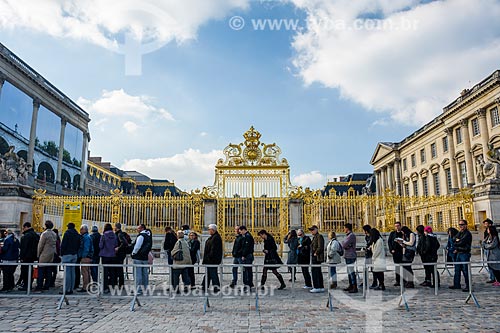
point(236, 255)
point(212, 256)
point(247, 249)
point(318, 257)
point(169, 243)
point(396, 249)
point(463, 243)
point(304, 256)
point(28, 254)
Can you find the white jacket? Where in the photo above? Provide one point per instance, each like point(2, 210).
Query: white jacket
point(332, 253)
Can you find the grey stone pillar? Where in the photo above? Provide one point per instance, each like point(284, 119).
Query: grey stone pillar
point(61, 150)
point(31, 146)
point(390, 176)
point(453, 163)
point(483, 126)
point(468, 155)
point(397, 169)
point(83, 165)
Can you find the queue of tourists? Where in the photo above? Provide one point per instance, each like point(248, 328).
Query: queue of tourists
point(182, 250)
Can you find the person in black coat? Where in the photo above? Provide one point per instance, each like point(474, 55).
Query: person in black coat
point(169, 243)
point(396, 249)
point(194, 249)
point(28, 254)
point(247, 249)
point(69, 251)
point(304, 257)
point(236, 255)
point(271, 258)
point(212, 256)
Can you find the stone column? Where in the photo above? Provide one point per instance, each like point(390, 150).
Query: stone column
point(377, 181)
point(31, 146)
point(453, 163)
point(383, 174)
point(483, 127)
point(61, 150)
point(390, 176)
point(468, 155)
point(83, 167)
point(397, 169)
point(2, 81)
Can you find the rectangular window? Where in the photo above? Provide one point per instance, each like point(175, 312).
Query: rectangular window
point(448, 179)
point(405, 167)
point(458, 132)
point(475, 127)
point(437, 189)
point(413, 161)
point(463, 174)
point(495, 118)
point(433, 150)
point(425, 186)
point(445, 144)
point(439, 219)
point(422, 155)
point(418, 219)
point(415, 188)
point(407, 190)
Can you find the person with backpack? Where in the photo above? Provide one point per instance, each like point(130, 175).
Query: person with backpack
point(96, 259)
point(121, 252)
point(181, 256)
point(334, 252)
point(85, 253)
point(140, 252)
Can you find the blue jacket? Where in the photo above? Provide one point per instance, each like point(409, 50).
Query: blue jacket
point(10, 249)
point(86, 248)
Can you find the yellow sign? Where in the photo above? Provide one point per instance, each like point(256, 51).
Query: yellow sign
point(72, 213)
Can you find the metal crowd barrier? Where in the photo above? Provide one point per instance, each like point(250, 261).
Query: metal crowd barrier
point(206, 295)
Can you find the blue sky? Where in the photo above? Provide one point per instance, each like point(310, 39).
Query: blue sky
point(325, 93)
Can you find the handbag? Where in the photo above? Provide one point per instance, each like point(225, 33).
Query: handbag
point(179, 256)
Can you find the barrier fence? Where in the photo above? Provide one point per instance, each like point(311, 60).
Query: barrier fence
point(97, 289)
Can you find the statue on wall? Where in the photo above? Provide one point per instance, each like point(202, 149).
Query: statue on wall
point(13, 169)
point(489, 169)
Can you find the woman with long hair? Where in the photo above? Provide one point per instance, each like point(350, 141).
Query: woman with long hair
point(491, 244)
point(194, 250)
point(378, 258)
point(293, 242)
point(409, 250)
point(271, 258)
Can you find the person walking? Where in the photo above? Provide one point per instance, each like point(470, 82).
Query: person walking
point(333, 251)
point(292, 241)
point(140, 252)
point(28, 254)
point(85, 253)
point(69, 251)
point(212, 255)
point(491, 243)
point(247, 249)
point(462, 243)
point(236, 255)
point(46, 251)
point(181, 256)
point(271, 259)
point(194, 251)
point(107, 245)
point(318, 257)
point(349, 246)
point(304, 257)
point(378, 258)
point(396, 250)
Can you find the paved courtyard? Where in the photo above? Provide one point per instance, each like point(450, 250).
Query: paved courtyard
point(289, 310)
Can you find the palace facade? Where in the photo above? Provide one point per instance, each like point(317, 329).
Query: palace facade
point(456, 150)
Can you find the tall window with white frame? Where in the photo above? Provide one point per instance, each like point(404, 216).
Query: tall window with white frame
point(415, 188)
point(422, 155)
point(475, 127)
point(495, 118)
point(445, 144)
point(405, 166)
point(458, 133)
point(448, 180)
point(413, 161)
point(425, 186)
point(463, 174)
point(437, 188)
point(407, 189)
point(433, 150)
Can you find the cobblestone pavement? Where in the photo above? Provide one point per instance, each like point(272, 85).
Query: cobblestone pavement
point(292, 309)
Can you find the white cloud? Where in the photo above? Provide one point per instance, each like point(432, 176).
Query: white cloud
point(104, 22)
point(190, 169)
point(119, 103)
point(313, 179)
point(130, 127)
point(405, 72)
